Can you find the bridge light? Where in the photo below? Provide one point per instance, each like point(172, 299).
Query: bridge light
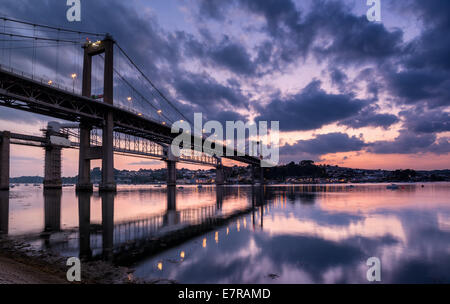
point(139, 114)
point(50, 82)
point(164, 123)
point(182, 254)
point(159, 111)
point(73, 76)
point(129, 98)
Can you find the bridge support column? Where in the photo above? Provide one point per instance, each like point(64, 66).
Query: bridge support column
point(261, 175)
point(220, 176)
point(253, 174)
point(4, 160)
point(108, 181)
point(52, 171)
point(171, 173)
point(84, 162)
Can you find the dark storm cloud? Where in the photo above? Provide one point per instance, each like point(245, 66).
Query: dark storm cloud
point(414, 86)
point(425, 65)
point(421, 120)
point(324, 144)
point(234, 57)
point(312, 108)
point(214, 100)
point(349, 38)
point(369, 117)
point(409, 142)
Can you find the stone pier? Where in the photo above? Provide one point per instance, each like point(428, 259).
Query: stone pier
point(52, 171)
point(5, 138)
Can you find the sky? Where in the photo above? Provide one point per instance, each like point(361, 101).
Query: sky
point(346, 91)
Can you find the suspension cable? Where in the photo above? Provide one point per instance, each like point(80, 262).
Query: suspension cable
point(151, 83)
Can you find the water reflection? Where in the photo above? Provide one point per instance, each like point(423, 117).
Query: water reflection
point(84, 226)
point(4, 212)
point(286, 233)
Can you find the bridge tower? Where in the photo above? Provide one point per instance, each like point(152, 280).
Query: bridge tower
point(5, 138)
point(87, 153)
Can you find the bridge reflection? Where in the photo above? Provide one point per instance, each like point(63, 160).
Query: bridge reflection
point(4, 212)
point(124, 240)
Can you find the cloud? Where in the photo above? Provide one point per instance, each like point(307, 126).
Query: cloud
point(208, 96)
point(410, 143)
point(369, 118)
point(310, 109)
point(13, 115)
point(145, 163)
point(327, 143)
point(422, 120)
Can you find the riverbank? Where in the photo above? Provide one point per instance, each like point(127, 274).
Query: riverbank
point(20, 264)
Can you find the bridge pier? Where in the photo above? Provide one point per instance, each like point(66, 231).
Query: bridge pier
point(5, 138)
point(220, 176)
point(52, 171)
point(253, 174)
point(108, 182)
point(171, 173)
point(84, 161)
point(261, 175)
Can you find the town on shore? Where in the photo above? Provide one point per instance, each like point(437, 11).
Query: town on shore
point(303, 172)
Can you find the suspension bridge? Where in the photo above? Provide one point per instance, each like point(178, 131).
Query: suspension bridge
point(89, 80)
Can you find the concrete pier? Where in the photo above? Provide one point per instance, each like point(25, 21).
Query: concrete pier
point(52, 170)
point(171, 173)
point(87, 153)
point(84, 161)
point(108, 182)
point(261, 175)
point(5, 138)
point(220, 176)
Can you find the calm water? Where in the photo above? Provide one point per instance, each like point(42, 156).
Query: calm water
point(284, 234)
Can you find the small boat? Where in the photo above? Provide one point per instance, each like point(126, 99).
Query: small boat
point(181, 187)
point(158, 186)
point(199, 186)
point(392, 187)
point(36, 185)
point(12, 186)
